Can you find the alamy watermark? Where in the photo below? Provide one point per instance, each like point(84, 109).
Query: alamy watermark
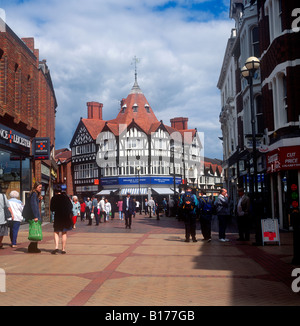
point(296, 283)
point(2, 280)
point(296, 22)
point(2, 20)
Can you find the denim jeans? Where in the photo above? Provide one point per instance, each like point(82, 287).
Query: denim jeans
point(14, 229)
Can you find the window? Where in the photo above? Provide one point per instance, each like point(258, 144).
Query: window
point(123, 108)
point(280, 101)
point(255, 42)
point(147, 108)
point(135, 107)
point(273, 8)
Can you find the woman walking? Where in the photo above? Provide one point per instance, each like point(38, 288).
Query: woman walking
point(63, 211)
point(76, 210)
point(107, 209)
point(17, 208)
point(35, 198)
point(3, 223)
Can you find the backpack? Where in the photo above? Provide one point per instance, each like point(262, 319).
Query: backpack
point(188, 202)
point(207, 208)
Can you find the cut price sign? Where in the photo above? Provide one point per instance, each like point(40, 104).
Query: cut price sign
point(270, 230)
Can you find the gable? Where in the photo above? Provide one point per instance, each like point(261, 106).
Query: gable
point(81, 136)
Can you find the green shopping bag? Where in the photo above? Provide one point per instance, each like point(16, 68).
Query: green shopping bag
point(35, 231)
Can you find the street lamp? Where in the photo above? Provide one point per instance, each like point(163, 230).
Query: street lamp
point(138, 170)
point(248, 71)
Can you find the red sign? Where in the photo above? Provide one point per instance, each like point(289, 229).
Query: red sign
point(283, 158)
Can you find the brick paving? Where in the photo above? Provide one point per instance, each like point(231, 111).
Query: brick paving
point(148, 265)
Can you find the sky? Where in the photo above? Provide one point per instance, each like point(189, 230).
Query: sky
point(90, 45)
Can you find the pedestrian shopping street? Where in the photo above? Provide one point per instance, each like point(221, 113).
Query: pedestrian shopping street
point(148, 265)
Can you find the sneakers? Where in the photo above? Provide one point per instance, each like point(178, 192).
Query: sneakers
point(223, 240)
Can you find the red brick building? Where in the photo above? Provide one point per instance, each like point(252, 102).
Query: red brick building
point(27, 111)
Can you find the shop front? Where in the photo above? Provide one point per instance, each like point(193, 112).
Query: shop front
point(283, 165)
point(15, 163)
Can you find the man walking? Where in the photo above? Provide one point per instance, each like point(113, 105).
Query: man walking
point(243, 216)
point(189, 203)
point(128, 210)
point(205, 205)
point(222, 207)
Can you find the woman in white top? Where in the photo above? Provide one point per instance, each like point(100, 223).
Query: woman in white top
point(107, 208)
point(17, 207)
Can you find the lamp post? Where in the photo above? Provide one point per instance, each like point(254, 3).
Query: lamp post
point(138, 168)
point(248, 71)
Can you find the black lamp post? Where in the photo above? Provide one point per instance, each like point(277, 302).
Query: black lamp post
point(248, 71)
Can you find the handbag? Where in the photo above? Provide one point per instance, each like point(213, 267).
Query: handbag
point(35, 231)
point(7, 213)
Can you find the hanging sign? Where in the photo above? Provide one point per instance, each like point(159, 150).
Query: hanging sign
point(41, 148)
point(270, 230)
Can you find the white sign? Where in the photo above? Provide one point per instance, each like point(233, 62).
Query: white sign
point(270, 230)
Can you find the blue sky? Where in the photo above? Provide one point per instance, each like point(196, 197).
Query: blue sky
point(89, 46)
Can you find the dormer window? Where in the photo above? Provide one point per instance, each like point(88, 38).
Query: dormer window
point(135, 107)
point(147, 107)
point(123, 108)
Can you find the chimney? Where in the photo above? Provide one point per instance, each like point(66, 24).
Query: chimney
point(94, 110)
point(179, 123)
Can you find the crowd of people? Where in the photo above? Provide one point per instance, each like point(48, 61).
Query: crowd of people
point(66, 211)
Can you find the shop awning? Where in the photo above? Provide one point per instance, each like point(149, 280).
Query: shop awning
point(134, 191)
point(164, 191)
point(106, 191)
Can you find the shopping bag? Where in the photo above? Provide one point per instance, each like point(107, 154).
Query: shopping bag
point(35, 231)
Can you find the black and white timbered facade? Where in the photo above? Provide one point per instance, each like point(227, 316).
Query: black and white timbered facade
point(134, 152)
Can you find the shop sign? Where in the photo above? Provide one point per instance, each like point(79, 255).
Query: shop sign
point(14, 139)
point(41, 148)
point(283, 158)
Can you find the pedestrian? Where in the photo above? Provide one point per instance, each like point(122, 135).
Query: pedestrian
point(120, 207)
point(95, 209)
point(243, 216)
point(188, 203)
point(3, 223)
point(137, 206)
point(151, 205)
point(165, 206)
point(206, 208)
point(62, 207)
point(88, 210)
point(102, 209)
point(146, 206)
point(34, 201)
point(128, 210)
point(222, 208)
point(107, 209)
point(171, 207)
point(82, 209)
point(76, 210)
point(157, 210)
point(17, 208)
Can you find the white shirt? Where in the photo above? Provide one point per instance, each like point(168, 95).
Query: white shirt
point(107, 207)
point(17, 207)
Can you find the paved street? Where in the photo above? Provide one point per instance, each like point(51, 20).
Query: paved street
point(148, 265)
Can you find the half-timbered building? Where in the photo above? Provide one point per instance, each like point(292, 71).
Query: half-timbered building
point(135, 152)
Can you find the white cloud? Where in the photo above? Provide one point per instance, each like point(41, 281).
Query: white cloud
point(89, 48)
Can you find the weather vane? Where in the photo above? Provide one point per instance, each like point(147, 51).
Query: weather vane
point(135, 61)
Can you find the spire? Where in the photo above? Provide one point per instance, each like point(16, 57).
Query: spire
point(136, 88)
